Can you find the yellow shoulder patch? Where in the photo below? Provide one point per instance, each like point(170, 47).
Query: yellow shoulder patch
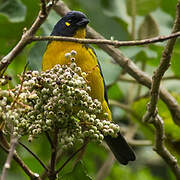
point(67, 24)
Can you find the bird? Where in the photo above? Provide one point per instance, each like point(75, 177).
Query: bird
point(74, 24)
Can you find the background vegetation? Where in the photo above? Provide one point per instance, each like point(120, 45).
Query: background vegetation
point(118, 20)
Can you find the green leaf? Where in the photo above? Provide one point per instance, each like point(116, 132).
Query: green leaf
point(16, 67)
point(164, 21)
point(11, 32)
point(34, 58)
point(127, 173)
point(169, 6)
point(143, 7)
point(139, 53)
point(79, 172)
point(112, 9)
point(158, 49)
point(146, 174)
point(171, 85)
point(36, 52)
point(171, 129)
point(145, 55)
point(52, 19)
point(116, 10)
point(148, 28)
point(114, 92)
point(131, 51)
point(149, 57)
point(14, 10)
point(109, 24)
point(110, 70)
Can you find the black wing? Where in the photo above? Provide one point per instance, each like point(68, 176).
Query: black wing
point(105, 88)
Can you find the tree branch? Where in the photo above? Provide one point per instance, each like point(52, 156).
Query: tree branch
point(25, 37)
point(128, 66)
point(49, 139)
point(115, 43)
point(171, 78)
point(134, 81)
point(152, 115)
point(106, 167)
point(123, 61)
point(34, 155)
point(162, 68)
point(43, 8)
point(52, 171)
point(134, 142)
point(82, 147)
point(3, 140)
point(124, 107)
point(161, 149)
point(7, 164)
point(33, 176)
point(58, 158)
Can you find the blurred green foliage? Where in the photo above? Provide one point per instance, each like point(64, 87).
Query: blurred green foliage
point(112, 19)
point(78, 171)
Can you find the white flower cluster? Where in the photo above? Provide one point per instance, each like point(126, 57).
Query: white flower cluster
point(57, 98)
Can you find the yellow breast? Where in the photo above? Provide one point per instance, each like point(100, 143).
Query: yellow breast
point(85, 58)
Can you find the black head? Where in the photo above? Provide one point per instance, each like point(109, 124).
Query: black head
point(68, 25)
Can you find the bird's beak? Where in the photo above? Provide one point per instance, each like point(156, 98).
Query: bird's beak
point(83, 22)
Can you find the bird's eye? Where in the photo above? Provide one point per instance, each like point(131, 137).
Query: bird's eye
point(67, 23)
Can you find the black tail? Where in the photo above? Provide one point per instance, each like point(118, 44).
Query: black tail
point(121, 150)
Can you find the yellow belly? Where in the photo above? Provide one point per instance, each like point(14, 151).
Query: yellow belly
point(85, 58)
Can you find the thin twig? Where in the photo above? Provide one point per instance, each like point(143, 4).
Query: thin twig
point(131, 131)
point(123, 61)
point(134, 142)
point(43, 7)
point(21, 86)
point(82, 152)
point(3, 141)
point(162, 68)
point(106, 167)
point(7, 164)
point(34, 155)
point(143, 67)
point(115, 43)
point(134, 81)
point(152, 115)
point(52, 171)
point(127, 80)
point(129, 66)
point(161, 149)
point(82, 147)
point(49, 139)
point(24, 39)
point(33, 176)
point(59, 155)
point(171, 78)
point(133, 19)
point(124, 107)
